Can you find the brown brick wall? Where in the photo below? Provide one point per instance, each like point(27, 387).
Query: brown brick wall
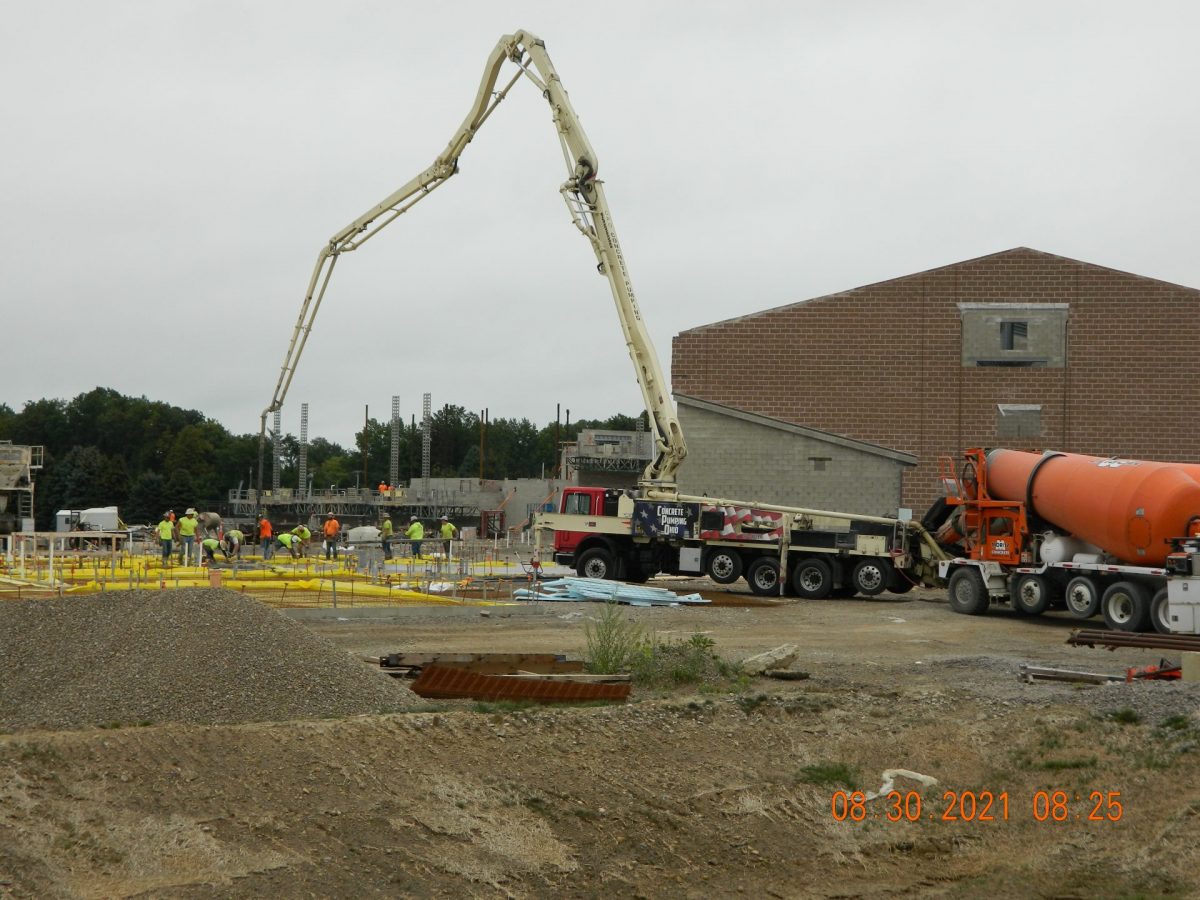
point(882, 363)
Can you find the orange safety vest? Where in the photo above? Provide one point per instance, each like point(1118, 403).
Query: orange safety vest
point(332, 527)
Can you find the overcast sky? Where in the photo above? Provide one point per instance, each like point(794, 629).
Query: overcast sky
point(171, 170)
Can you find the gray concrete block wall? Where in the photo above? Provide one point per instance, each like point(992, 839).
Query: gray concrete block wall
point(735, 459)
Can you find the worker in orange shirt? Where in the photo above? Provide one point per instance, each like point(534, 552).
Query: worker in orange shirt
point(332, 529)
point(266, 534)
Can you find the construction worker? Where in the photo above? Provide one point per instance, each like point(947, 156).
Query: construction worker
point(385, 536)
point(211, 545)
point(233, 543)
point(416, 534)
point(289, 542)
point(166, 533)
point(187, 537)
point(301, 531)
point(332, 529)
point(266, 536)
point(448, 531)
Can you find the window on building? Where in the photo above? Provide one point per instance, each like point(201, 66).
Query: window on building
point(819, 462)
point(1018, 420)
point(1014, 335)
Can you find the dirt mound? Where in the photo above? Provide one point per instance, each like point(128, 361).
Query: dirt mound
point(194, 655)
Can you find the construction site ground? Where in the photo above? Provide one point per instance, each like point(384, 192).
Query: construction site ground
point(1090, 791)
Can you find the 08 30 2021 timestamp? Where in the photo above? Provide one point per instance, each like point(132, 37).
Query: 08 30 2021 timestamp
point(984, 806)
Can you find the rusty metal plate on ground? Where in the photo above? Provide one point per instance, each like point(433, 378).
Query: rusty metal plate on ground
point(445, 683)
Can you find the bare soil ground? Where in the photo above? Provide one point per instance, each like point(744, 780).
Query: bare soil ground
point(688, 793)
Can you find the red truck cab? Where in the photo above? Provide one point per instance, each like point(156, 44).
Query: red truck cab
point(591, 503)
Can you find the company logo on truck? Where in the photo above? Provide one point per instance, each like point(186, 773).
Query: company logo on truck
point(663, 519)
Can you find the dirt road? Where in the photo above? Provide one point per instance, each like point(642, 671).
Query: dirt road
point(687, 793)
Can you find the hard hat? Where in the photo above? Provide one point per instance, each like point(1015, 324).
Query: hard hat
point(445, 518)
point(329, 515)
point(190, 512)
point(412, 518)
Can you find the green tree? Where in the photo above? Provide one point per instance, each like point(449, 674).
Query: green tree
point(147, 499)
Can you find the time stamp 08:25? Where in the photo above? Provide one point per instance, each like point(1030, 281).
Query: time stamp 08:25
point(978, 806)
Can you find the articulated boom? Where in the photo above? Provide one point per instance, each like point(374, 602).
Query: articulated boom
point(584, 195)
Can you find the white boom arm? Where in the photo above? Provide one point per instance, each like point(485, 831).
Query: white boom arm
point(584, 195)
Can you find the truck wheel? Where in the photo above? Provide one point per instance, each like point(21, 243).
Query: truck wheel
point(871, 576)
point(900, 583)
point(1160, 612)
point(1082, 597)
point(1031, 594)
point(1126, 606)
point(596, 563)
point(967, 592)
point(724, 566)
point(812, 578)
point(636, 574)
point(763, 576)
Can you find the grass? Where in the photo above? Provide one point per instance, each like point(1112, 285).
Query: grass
point(613, 642)
point(1125, 716)
point(618, 645)
point(1055, 765)
point(828, 774)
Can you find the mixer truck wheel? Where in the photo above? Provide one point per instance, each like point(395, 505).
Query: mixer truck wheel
point(1082, 597)
point(596, 563)
point(900, 583)
point(1160, 612)
point(1126, 606)
point(763, 577)
point(812, 578)
point(1031, 594)
point(724, 566)
point(871, 576)
point(967, 592)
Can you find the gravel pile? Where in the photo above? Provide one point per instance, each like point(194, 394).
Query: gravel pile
point(187, 655)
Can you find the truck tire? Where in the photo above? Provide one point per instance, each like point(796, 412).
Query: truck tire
point(723, 565)
point(1082, 597)
point(1160, 612)
point(900, 583)
point(1126, 606)
point(596, 563)
point(871, 576)
point(1030, 593)
point(967, 592)
point(812, 578)
point(763, 577)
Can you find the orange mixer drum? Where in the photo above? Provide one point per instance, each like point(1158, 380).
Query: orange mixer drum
point(1127, 507)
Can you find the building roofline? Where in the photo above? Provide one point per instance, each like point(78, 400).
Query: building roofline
point(907, 459)
point(931, 271)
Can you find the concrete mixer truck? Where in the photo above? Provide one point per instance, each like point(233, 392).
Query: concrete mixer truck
point(1119, 537)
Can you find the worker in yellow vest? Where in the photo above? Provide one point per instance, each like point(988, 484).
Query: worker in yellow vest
point(447, 530)
point(166, 533)
point(416, 534)
point(187, 537)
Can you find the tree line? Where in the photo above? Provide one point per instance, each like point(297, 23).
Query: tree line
point(144, 456)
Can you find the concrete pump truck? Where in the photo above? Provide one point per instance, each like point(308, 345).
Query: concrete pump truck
point(634, 534)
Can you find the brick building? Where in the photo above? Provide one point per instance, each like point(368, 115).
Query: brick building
point(1019, 349)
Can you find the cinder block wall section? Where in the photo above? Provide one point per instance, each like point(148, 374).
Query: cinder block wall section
point(743, 456)
point(924, 363)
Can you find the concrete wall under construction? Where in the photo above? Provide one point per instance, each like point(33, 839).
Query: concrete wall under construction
point(744, 456)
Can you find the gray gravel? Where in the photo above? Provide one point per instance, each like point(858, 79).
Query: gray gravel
point(198, 655)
